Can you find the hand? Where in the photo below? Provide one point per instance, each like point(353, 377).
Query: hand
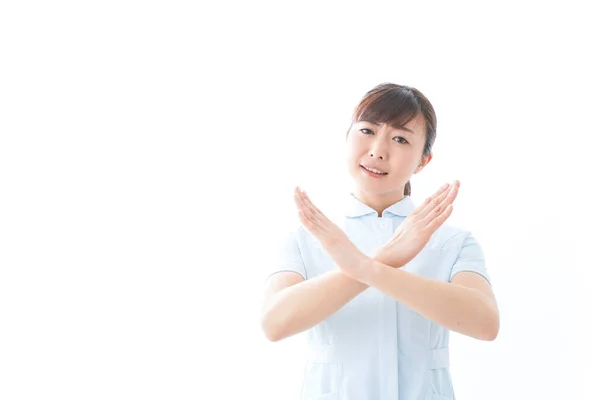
point(413, 234)
point(343, 252)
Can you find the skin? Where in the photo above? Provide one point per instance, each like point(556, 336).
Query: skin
point(397, 152)
point(466, 305)
point(408, 239)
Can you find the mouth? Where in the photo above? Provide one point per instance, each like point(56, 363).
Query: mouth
point(374, 171)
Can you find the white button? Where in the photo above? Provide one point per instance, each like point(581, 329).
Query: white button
point(383, 224)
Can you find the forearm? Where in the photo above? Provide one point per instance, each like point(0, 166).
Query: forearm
point(305, 304)
point(300, 307)
point(458, 308)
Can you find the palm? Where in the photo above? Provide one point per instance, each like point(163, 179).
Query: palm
point(332, 238)
point(414, 233)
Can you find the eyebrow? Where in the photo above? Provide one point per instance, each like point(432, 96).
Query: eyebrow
point(402, 128)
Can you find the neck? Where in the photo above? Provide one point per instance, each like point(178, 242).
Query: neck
point(378, 202)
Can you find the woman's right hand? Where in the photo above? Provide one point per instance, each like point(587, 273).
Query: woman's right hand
point(413, 234)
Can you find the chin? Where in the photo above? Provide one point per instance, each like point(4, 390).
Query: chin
point(380, 188)
point(373, 188)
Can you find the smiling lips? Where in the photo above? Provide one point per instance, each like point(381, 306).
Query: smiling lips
point(373, 170)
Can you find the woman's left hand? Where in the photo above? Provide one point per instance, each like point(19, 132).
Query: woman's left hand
point(343, 252)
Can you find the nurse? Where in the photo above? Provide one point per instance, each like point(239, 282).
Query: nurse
point(377, 296)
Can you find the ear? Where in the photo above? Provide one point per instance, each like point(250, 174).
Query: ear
point(424, 162)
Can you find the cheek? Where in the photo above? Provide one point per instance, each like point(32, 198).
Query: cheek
point(352, 152)
point(351, 160)
point(403, 163)
point(409, 156)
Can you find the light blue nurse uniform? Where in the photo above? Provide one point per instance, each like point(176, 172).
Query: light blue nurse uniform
point(375, 347)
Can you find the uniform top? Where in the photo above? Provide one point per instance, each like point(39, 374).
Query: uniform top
point(375, 347)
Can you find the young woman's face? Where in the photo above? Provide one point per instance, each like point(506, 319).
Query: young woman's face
point(392, 154)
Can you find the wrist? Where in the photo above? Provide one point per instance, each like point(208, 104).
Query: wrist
point(386, 256)
point(366, 269)
point(381, 255)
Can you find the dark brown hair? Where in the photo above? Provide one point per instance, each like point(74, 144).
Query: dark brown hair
point(396, 105)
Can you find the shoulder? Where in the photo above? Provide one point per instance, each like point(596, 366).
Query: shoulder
point(448, 237)
point(297, 234)
point(295, 231)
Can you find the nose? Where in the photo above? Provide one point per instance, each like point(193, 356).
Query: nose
point(378, 150)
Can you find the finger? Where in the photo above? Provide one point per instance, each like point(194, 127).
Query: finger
point(441, 202)
point(451, 196)
point(311, 213)
point(440, 208)
point(315, 211)
point(310, 204)
point(434, 196)
point(301, 208)
point(307, 219)
point(440, 219)
point(299, 200)
point(316, 215)
point(307, 206)
point(431, 201)
point(324, 224)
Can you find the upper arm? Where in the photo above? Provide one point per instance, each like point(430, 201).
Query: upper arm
point(281, 280)
point(287, 268)
point(474, 281)
point(287, 257)
point(278, 282)
point(470, 259)
point(469, 269)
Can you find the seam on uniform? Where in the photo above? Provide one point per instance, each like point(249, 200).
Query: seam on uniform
point(475, 272)
point(451, 237)
point(449, 278)
point(283, 270)
point(299, 252)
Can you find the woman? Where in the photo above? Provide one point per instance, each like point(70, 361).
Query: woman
point(378, 296)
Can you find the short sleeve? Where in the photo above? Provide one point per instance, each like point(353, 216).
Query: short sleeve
point(288, 256)
point(470, 258)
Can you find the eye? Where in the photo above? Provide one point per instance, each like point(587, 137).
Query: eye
point(368, 131)
point(401, 139)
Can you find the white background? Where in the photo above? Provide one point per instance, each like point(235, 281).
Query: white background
point(148, 153)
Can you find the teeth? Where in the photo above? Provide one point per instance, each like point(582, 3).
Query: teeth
point(374, 171)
